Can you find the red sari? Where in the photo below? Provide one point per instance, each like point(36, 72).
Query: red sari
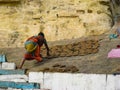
point(36, 53)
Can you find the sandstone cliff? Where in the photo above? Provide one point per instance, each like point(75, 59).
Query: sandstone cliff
point(59, 19)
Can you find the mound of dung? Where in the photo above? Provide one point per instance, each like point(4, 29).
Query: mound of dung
point(61, 68)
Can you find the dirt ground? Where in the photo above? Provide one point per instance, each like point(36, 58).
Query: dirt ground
point(93, 63)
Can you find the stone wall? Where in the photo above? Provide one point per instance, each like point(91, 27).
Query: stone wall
point(59, 19)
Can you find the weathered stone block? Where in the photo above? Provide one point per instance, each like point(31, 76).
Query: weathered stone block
point(0, 65)
point(7, 65)
point(14, 78)
point(9, 0)
point(36, 77)
point(3, 58)
point(6, 72)
point(13, 89)
point(2, 89)
point(6, 84)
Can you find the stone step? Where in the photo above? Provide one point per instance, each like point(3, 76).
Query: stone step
point(9, 0)
point(19, 85)
point(3, 58)
point(6, 72)
point(14, 78)
point(8, 66)
point(21, 89)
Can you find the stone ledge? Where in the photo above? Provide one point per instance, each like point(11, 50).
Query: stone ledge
point(9, 0)
point(3, 58)
point(5, 84)
point(14, 78)
point(7, 65)
point(6, 72)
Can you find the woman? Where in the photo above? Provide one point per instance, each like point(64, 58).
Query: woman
point(32, 46)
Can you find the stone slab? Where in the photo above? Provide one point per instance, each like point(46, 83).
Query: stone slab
point(3, 58)
point(36, 77)
point(8, 65)
point(23, 85)
point(14, 78)
point(6, 72)
point(9, 0)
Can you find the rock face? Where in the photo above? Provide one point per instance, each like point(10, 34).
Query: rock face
point(58, 19)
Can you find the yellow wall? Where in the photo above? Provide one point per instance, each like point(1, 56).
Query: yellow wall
point(58, 19)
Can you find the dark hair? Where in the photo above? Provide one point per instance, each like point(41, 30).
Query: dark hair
point(41, 33)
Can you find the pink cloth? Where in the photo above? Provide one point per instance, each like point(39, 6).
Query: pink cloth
point(114, 53)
